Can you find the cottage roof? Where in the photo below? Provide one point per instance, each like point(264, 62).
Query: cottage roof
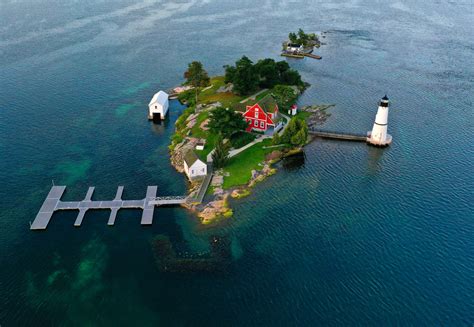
point(268, 103)
point(190, 158)
point(159, 97)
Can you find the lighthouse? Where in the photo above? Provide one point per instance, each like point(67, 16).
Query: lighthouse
point(378, 136)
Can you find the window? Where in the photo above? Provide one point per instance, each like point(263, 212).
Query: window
point(255, 123)
point(256, 113)
point(202, 169)
point(156, 107)
point(192, 172)
point(262, 124)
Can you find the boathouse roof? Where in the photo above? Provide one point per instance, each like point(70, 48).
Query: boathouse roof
point(159, 97)
point(190, 158)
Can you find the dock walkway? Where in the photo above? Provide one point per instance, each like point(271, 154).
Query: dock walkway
point(53, 203)
point(338, 135)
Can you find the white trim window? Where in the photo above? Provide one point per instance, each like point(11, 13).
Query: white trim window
point(262, 124)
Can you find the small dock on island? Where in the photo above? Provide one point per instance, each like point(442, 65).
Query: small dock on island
point(300, 55)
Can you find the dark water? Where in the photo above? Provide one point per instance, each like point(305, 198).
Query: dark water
point(346, 235)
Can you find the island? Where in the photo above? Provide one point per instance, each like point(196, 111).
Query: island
point(300, 45)
point(238, 125)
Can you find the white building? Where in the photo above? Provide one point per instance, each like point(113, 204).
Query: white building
point(158, 105)
point(292, 47)
point(293, 110)
point(378, 136)
point(200, 144)
point(193, 166)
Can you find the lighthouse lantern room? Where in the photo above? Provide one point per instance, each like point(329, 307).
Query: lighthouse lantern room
point(378, 136)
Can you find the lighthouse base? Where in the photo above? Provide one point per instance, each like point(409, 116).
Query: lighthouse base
point(378, 143)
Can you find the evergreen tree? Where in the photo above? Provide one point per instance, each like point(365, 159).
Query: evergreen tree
point(245, 78)
point(196, 76)
point(226, 122)
point(293, 38)
point(220, 156)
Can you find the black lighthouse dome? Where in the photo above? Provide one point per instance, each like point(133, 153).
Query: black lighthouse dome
point(384, 101)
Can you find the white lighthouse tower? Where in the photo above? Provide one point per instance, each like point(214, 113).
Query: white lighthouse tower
point(378, 136)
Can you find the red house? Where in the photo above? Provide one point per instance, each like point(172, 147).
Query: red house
point(263, 116)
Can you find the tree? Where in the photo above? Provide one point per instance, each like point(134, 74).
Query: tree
point(245, 79)
point(296, 133)
point(196, 76)
point(293, 38)
point(302, 37)
point(291, 77)
point(268, 73)
point(276, 139)
point(285, 96)
point(225, 122)
point(229, 73)
point(220, 156)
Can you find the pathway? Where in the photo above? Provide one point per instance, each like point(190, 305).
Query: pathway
point(253, 97)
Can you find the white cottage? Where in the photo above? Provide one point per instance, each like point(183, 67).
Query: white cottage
point(293, 47)
point(158, 105)
point(193, 166)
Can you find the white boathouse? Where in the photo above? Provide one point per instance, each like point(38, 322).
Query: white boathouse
point(158, 106)
point(193, 166)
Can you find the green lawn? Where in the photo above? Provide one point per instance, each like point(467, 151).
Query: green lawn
point(240, 167)
point(197, 131)
point(211, 140)
point(227, 99)
point(303, 115)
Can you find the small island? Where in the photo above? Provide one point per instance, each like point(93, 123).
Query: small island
point(238, 125)
point(300, 45)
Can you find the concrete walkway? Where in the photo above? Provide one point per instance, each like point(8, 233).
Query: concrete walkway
point(233, 153)
point(260, 138)
point(253, 97)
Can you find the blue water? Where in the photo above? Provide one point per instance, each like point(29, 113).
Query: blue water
point(346, 235)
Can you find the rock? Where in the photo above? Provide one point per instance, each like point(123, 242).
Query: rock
point(254, 174)
point(225, 88)
point(274, 155)
point(239, 193)
point(215, 209)
point(203, 125)
point(217, 180)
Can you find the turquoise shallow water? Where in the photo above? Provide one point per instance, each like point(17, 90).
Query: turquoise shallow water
point(346, 235)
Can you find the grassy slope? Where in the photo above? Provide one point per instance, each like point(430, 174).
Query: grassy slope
point(210, 95)
point(240, 167)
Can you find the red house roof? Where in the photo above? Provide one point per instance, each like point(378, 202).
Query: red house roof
point(256, 112)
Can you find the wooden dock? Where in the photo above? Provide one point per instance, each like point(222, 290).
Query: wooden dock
point(338, 135)
point(310, 55)
point(301, 55)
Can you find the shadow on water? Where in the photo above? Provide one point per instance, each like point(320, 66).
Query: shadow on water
point(374, 160)
point(294, 162)
point(216, 260)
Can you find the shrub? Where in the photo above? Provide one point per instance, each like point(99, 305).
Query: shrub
point(241, 139)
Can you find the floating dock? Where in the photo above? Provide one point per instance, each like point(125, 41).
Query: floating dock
point(53, 203)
